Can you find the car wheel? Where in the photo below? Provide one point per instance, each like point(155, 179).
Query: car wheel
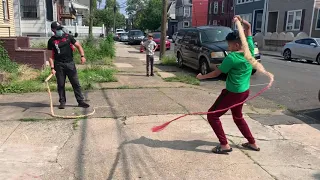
point(287, 54)
point(318, 59)
point(179, 60)
point(204, 67)
point(253, 71)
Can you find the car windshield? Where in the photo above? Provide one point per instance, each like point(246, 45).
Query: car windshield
point(215, 34)
point(124, 34)
point(138, 33)
point(156, 36)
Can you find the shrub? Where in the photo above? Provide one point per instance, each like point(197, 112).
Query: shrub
point(5, 63)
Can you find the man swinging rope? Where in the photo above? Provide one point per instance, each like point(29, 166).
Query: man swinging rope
point(62, 64)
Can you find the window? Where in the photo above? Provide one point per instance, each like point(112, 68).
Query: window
point(318, 21)
point(186, 11)
point(294, 20)
point(247, 17)
point(186, 24)
point(180, 11)
point(29, 9)
point(222, 7)
point(244, 1)
point(215, 8)
point(210, 8)
point(5, 9)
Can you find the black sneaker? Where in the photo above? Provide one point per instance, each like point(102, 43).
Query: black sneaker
point(83, 105)
point(152, 74)
point(147, 75)
point(62, 105)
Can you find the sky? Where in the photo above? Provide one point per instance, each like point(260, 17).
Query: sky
point(121, 2)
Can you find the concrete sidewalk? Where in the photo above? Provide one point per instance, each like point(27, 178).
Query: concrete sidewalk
point(117, 142)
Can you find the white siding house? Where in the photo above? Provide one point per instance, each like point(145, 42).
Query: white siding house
point(31, 17)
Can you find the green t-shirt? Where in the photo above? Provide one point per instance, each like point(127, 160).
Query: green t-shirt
point(238, 69)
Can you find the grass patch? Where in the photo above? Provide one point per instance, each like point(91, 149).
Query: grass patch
point(23, 79)
point(30, 120)
point(169, 60)
point(98, 51)
point(184, 79)
point(40, 45)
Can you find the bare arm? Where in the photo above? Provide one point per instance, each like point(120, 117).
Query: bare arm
point(79, 47)
point(246, 25)
point(212, 74)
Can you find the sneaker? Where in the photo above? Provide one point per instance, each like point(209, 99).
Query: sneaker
point(62, 105)
point(147, 75)
point(152, 74)
point(83, 105)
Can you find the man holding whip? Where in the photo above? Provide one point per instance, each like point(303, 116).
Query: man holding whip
point(62, 64)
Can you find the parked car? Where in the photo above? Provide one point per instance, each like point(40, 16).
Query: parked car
point(120, 30)
point(174, 36)
point(135, 36)
point(203, 47)
point(123, 37)
point(156, 39)
point(306, 48)
point(118, 35)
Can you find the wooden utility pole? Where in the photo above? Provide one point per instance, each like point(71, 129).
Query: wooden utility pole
point(163, 29)
point(91, 18)
point(114, 16)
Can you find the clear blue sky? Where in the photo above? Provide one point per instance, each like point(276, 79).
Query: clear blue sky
point(122, 5)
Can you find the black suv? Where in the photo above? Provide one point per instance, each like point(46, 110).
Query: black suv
point(203, 47)
point(135, 36)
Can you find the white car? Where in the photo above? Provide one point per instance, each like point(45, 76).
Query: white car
point(307, 48)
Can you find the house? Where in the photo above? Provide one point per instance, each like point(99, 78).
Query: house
point(183, 13)
point(199, 13)
point(300, 16)
point(34, 17)
point(220, 12)
point(82, 11)
point(7, 19)
point(172, 21)
point(252, 11)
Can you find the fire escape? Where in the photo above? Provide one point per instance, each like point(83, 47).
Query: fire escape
point(64, 12)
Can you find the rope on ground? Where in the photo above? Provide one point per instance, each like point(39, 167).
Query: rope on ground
point(51, 105)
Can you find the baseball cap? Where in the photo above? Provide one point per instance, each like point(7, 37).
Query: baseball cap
point(56, 25)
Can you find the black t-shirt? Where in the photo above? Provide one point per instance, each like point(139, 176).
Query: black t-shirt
point(61, 47)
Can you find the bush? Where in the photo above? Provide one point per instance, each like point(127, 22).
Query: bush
point(169, 60)
point(5, 63)
point(96, 49)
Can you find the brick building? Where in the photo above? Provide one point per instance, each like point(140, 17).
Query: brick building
point(221, 12)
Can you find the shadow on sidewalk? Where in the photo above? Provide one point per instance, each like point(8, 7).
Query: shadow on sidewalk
point(27, 105)
point(317, 176)
point(176, 144)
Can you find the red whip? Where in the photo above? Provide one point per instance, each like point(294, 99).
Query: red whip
point(161, 127)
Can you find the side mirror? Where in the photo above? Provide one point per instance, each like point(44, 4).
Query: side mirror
point(76, 34)
point(167, 37)
point(313, 44)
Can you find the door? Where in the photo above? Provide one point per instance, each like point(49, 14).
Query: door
point(185, 48)
point(310, 52)
point(272, 22)
point(194, 48)
point(257, 26)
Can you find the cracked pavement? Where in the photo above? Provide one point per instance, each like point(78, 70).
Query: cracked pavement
point(117, 142)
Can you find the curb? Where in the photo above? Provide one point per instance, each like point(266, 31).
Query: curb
point(273, 55)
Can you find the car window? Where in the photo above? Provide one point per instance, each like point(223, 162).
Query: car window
point(139, 33)
point(309, 41)
point(214, 34)
point(187, 37)
point(194, 36)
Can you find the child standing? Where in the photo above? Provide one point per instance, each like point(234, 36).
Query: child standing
point(237, 89)
point(151, 47)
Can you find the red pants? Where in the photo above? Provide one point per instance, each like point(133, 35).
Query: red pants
point(225, 100)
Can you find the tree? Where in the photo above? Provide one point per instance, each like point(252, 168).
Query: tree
point(105, 16)
point(153, 12)
point(145, 16)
